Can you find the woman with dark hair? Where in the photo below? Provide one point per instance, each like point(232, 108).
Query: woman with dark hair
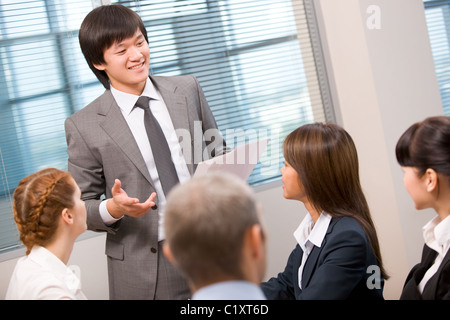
point(337, 255)
point(50, 215)
point(423, 151)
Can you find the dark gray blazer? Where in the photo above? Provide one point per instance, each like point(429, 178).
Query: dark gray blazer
point(101, 148)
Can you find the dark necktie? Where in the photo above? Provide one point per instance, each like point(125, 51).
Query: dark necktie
point(160, 149)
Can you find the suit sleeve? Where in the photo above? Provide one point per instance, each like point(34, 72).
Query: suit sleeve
point(87, 171)
point(217, 145)
point(282, 287)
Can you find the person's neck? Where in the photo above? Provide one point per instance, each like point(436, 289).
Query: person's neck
point(312, 211)
point(443, 211)
point(442, 204)
point(136, 90)
point(61, 247)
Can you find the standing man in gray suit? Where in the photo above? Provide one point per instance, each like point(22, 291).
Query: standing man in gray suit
point(113, 159)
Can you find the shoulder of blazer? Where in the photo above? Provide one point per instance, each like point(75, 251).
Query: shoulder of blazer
point(344, 224)
point(101, 105)
point(174, 83)
point(347, 230)
point(172, 80)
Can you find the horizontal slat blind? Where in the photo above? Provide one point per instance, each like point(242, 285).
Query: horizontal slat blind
point(253, 59)
point(248, 60)
point(438, 21)
point(43, 79)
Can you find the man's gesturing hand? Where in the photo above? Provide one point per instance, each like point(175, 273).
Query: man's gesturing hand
point(121, 204)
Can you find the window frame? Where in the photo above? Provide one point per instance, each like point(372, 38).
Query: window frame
point(309, 42)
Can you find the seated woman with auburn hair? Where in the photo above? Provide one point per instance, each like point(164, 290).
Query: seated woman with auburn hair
point(50, 215)
point(337, 255)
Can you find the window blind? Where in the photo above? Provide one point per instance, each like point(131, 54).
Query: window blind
point(437, 14)
point(254, 59)
point(43, 79)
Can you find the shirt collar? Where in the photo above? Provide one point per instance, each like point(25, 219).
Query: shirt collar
point(44, 257)
point(233, 289)
point(49, 261)
point(126, 101)
point(436, 232)
point(308, 231)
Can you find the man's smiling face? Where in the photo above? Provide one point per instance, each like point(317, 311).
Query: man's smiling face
point(127, 64)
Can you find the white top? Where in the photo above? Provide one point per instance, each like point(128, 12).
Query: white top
point(436, 234)
point(135, 120)
point(42, 276)
point(309, 235)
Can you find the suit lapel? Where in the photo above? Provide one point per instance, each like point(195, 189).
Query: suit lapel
point(114, 124)
point(428, 257)
point(178, 110)
point(310, 264)
point(313, 257)
point(430, 289)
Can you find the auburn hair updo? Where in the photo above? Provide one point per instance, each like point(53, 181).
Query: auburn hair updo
point(38, 201)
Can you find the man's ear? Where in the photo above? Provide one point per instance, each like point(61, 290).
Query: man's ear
point(67, 216)
point(256, 240)
point(168, 253)
point(431, 180)
point(100, 67)
point(253, 262)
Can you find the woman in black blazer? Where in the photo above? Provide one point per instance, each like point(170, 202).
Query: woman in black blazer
point(423, 152)
point(337, 255)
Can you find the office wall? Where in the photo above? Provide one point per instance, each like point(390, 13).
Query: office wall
point(382, 81)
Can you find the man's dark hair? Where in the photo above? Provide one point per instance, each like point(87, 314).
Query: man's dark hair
point(101, 28)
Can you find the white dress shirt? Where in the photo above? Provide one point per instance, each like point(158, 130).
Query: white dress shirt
point(42, 276)
point(310, 234)
point(436, 234)
point(135, 120)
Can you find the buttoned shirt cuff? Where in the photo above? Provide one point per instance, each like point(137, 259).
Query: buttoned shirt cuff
point(105, 215)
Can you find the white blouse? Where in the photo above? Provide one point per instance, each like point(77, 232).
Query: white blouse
point(42, 276)
point(310, 234)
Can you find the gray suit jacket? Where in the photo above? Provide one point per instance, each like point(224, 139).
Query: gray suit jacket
point(101, 148)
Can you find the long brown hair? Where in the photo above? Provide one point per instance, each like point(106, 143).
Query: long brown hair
point(326, 161)
point(38, 201)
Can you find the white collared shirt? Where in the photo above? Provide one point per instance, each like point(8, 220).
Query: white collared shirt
point(436, 234)
point(42, 276)
point(135, 120)
point(309, 235)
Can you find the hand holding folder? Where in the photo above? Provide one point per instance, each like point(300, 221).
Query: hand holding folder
point(241, 161)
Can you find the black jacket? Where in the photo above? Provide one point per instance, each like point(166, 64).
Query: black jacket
point(437, 288)
point(335, 271)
